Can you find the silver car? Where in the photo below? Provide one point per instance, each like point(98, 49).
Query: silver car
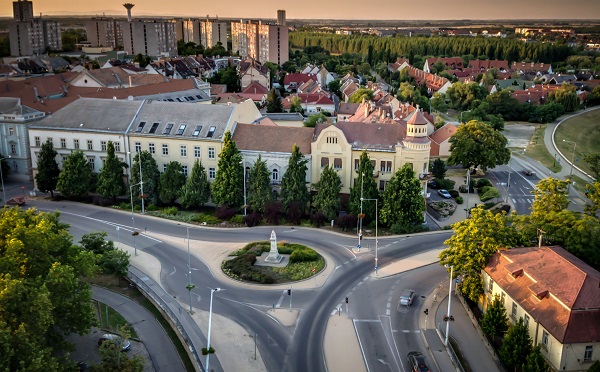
point(406, 298)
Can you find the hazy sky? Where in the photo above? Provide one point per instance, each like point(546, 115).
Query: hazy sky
point(338, 9)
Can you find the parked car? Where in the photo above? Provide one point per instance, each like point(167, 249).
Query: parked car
point(444, 194)
point(432, 185)
point(126, 345)
point(417, 362)
point(407, 297)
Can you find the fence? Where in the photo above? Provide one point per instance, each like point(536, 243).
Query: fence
point(178, 317)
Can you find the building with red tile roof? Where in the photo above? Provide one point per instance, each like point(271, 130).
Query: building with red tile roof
point(557, 295)
point(450, 63)
point(440, 144)
point(433, 82)
point(486, 64)
point(311, 103)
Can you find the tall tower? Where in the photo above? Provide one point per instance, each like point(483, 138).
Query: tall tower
point(22, 10)
point(128, 6)
point(281, 17)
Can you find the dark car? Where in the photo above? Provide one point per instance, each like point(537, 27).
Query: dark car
point(528, 172)
point(417, 362)
point(432, 185)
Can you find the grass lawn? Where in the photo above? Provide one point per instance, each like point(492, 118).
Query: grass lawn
point(537, 150)
point(110, 319)
point(584, 130)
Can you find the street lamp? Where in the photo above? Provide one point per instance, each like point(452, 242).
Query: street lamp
point(376, 236)
point(449, 317)
point(189, 286)
point(244, 169)
point(212, 292)
point(361, 216)
point(572, 162)
point(135, 233)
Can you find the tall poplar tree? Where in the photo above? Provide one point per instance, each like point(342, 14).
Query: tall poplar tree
point(516, 346)
point(402, 200)
point(150, 177)
point(110, 179)
point(365, 187)
point(495, 322)
point(196, 190)
point(294, 193)
point(171, 182)
point(259, 192)
point(48, 172)
point(228, 184)
point(75, 178)
point(327, 199)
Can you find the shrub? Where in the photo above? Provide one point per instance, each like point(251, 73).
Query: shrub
point(242, 268)
point(459, 200)
point(444, 208)
point(483, 182)
point(318, 219)
point(489, 193)
point(445, 184)
point(463, 188)
point(346, 222)
point(238, 218)
point(294, 213)
point(150, 207)
point(252, 219)
point(454, 193)
point(303, 255)
point(201, 217)
point(124, 206)
point(273, 212)
point(224, 212)
point(488, 205)
point(171, 211)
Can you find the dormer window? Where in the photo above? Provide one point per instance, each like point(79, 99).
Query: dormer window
point(140, 127)
point(211, 132)
point(154, 127)
point(197, 131)
point(168, 128)
point(181, 130)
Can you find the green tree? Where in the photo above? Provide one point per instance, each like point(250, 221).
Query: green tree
point(595, 367)
point(495, 322)
point(110, 179)
point(296, 104)
point(150, 177)
point(227, 187)
point(196, 190)
point(365, 187)
point(361, 93)
point(516, 346)
point(593, 160)
point(364, 68)
point(327, 199)
point(550, 195)
point(294, 193)
point(476, 144)
point(315, 119)
point(43, 296)
point(403, 203)
point(438, 169)
point(464, 96)
point(593, 194)
point(109, 259)
point(473, 242)
point(48, 172)
point(334, 87)
point(75, 179)
point(535, 361)
point(274, 102)
point(142, 60)
point(171, 183)
point(4, 165)
point(259, 186)
point(566, 97)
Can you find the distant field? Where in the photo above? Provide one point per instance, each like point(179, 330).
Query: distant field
point(584, 130)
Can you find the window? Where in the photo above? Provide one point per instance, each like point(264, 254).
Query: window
point(76, 144)
point(374, 164)
point(138, 147)
point(180, 130)
point(514, 310)
point(11, 131)
point(587, 355)
point(103, 145)
point(337, 163)
point(502, 297)
point(183, 150)
point(197, 131)
point(526, 321)
point(90, 145)
point(165, 149)
point(37, 141)
point(382, 185)
point(545, 339)
point(118, 146)
point(275, 175)
point(15, 166)
point(13, 148)
point(140, 127)
point(211, 173)
point(332, 139)
point(356, 164)
point(153, 128)
point(211, 152)
point(92, 162)
point(151, 148)
point(324, 162)
point(386, 166)
point(196, 151)
point(185, 171)
point(168, 128)
point(164, 168)
point(64, 158)
point(211, 132)
point(50, 140)
point(491, 286)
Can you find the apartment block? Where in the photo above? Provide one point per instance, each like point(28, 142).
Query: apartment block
point(263, 42)
point(34, 36)
point(149, 37)
point(104, 32)
point(213, 32)
point(188, 30)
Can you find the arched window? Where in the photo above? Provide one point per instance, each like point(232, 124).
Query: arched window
point(275, 175)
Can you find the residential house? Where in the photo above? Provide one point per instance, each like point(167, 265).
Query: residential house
point(251, 70)
point(311, 103)
point(346, 110)
point(558, 79)
point(400, 64)
point(486, 64)
point(14, 140)
point(323, 76)
point(558, 297)
point(114, 77)
point(274, 144)
point(449, 63)
point(292, 81)
point(440, 141)
point(531, 68)
point(311, 86)
point(389, 147)
point(434, 83)
point(512, 84)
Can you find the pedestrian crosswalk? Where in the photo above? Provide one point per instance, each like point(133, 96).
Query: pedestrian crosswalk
point(523, 201)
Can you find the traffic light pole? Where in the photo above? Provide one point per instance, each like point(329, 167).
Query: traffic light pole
point(290, 293)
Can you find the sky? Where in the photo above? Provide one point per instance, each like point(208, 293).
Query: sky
point(327, 9)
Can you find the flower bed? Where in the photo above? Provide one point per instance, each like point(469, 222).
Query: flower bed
point(443, 208)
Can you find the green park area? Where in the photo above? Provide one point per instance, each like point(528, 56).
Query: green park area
point(582, 134)
point(537, 150)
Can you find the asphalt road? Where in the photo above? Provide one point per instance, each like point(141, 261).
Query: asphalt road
point(521, 186)
point(298, 349)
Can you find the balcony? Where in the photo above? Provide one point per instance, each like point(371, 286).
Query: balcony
point(425, 176)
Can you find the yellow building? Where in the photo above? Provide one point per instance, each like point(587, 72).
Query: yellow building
point(389, 146)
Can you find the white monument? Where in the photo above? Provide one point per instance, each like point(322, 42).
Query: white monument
point(274, 256)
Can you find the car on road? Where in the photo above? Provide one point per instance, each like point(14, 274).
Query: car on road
point(417, 362)
point(444, 194)
point(528, 172)
point(118, 340)
point(407, 297)
point(432, 185)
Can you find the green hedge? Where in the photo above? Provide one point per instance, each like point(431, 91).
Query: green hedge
point(303, 255)
point(445, 184)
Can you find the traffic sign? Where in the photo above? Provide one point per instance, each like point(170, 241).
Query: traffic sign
point(359, 246)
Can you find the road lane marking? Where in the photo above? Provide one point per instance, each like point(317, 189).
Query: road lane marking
point(362, 350)
point(281, 298)
point(174, 271)
point(387, 312)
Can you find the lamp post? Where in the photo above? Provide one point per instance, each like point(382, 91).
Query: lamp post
point(448, 316)
point(376, 236)
point(468, 192)
point(212, 292)
point(360, 219)
point(244, 170)
point(2, 178)
point(572, 163)
point(135, 233)
point(189, 286)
